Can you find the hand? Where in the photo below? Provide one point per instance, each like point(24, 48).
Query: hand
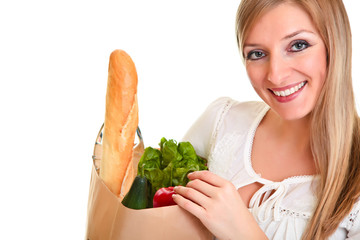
point(218, 205)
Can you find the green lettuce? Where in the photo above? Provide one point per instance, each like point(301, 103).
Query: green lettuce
point(170, 165)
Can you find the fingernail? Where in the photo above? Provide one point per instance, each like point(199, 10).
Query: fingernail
point(190, 174)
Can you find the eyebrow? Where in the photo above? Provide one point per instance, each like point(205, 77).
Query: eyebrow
point(291, 35)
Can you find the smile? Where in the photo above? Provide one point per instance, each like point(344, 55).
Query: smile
point(289, 91)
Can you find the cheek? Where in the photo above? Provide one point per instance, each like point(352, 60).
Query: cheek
point(255, 74)
point(315, 67)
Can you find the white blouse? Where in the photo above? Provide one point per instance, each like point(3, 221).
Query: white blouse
point(224, 135)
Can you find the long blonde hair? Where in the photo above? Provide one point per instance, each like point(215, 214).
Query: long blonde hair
point(335, 125)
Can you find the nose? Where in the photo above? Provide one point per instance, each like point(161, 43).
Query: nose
point(278, 69)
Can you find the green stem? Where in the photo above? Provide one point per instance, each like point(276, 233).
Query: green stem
point(142, 173)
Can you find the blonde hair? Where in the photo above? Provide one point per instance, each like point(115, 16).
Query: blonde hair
point(335, 125)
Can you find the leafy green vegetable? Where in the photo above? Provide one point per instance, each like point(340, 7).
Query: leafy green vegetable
point(169, 150)
point(170, 165)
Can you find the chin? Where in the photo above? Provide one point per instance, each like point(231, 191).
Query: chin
point(292, 115)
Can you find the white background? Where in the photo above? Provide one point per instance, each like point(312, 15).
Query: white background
point(53, 71)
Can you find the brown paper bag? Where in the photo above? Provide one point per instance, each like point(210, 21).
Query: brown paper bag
point(108, 219)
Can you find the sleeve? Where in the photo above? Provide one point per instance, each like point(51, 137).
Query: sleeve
point(353, 222)
point(202, 133)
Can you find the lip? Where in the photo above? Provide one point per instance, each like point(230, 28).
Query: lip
point(291, 97)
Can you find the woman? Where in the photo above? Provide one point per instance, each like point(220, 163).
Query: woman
point(294, 159)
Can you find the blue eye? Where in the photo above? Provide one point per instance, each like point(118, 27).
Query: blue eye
point(299, 45)
point(255, 55)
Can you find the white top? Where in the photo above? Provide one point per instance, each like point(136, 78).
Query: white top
point(224, 135)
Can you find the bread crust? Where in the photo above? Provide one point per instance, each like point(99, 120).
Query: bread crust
point(121, 120)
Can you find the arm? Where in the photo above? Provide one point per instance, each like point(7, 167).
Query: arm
point(218, 205)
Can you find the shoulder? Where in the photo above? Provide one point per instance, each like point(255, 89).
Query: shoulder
point(247, 111)
point(232, 114)
point(227, 105)
point(238, 116)
point(203, 132)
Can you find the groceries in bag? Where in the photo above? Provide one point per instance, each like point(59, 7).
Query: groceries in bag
point(163, 168)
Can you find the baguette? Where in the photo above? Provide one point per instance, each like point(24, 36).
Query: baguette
point(121, 121)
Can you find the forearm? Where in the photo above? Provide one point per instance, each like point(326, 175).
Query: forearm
point(248, 228)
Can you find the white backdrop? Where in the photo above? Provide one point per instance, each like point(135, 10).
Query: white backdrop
point(53, 71)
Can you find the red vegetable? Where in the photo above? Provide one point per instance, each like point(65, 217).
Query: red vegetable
point(163, 197)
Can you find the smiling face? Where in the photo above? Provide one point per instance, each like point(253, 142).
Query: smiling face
point(286, 60)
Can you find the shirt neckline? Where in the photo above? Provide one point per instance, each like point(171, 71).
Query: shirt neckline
point(248, 150)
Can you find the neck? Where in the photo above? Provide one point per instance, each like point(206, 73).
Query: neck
point(293, 133)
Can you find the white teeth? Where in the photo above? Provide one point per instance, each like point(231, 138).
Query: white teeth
point(290, 91)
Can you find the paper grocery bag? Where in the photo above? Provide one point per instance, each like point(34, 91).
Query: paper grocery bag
point(108, 219)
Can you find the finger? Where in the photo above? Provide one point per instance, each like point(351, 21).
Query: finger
point(192, 194)
point(189, 206)
point(201, 186)
point(208, 177)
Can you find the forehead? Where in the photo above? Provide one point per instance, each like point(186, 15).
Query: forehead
point(280, 21)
